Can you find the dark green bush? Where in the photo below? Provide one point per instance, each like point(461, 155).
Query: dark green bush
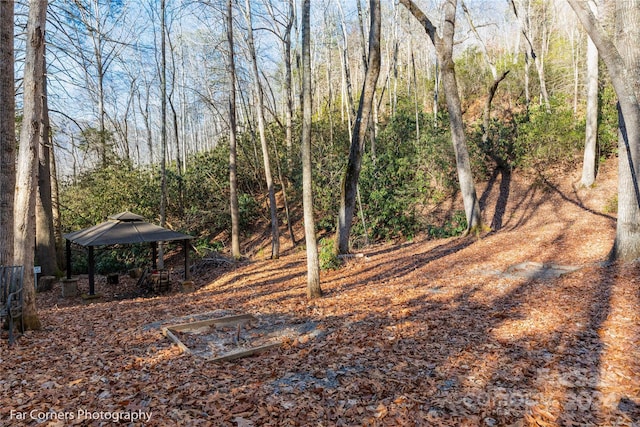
point(454, 226)
point(327, 256)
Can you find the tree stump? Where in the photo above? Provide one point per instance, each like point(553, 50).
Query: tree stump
point(69, 288)
point(45, 283)
point(187, 286)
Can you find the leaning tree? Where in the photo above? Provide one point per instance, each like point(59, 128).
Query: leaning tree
point(443, 43)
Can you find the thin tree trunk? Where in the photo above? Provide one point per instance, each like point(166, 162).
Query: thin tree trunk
point(233, 176)
point(45, 239)
point(288, 87)
point(437, 77)
point(163, 132)
point(363, 45)
point(55, 204)
point(275, 232)
point(313, 266)
point(538, 59)
point(416, 106)
point(26, 182)
point(527, 84)
point(7, 132)
point(354, 163)
point(176, 133)
point(179, 171)
point(346, 70)
point(589, 164)
point(285, 199)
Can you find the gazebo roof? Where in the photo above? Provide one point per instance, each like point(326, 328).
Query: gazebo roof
point(123, 228)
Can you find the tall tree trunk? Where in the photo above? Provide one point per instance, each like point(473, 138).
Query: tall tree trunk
point(55, 205)
point(176, 132)
point(288, 87)
point(444, 51)
point(313, 266)
point(45, 239)
point(413, 81)
point(589, 164)
point(26, 182)
point(233, 177)
point(7, 132)
point(163, 132)
point(621, 59)
point(259, 95)
point(354, 163)
point(627, 244)
point(346, 72)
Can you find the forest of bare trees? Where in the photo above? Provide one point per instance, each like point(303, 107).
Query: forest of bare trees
point(212, 116)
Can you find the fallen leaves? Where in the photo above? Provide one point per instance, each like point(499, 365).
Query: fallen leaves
point(415, 334)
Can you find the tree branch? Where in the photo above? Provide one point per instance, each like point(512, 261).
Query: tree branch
point(422, 18)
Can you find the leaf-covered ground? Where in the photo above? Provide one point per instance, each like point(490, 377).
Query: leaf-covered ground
point(429, 332)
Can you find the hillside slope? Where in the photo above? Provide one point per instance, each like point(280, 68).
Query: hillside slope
point(462, 331)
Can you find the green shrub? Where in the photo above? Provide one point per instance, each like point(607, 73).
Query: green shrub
point(454, 226)
point(327, 256)
point(549, 138)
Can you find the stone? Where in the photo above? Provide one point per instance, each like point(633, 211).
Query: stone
point(69, 288)
point(45, 283)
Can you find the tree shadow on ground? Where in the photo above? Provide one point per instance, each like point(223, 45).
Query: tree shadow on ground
point(502, 199)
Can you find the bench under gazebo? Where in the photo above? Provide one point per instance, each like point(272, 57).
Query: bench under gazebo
point(124, 228)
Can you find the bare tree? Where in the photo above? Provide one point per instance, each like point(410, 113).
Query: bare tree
point(444, 50)
point(7, 132)
point(284, 36)
point(97, 32)
point(259, 97)
point(497, 78)
point(354, 163)
point(163, 124)
point(26, 182)
point(622, 60)
point(523, 12)
point(589, 165)
point(45, 238)
point(233, 177)
point(313, 266)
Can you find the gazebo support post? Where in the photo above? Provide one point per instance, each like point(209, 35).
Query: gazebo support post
point(68, 248)
point(187, 273)
point(154, 255)
point(92, 282)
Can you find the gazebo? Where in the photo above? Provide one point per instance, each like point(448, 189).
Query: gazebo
point(121, 229)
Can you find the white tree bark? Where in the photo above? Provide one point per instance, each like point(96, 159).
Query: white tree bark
point(27, 180)
point(589, 164)
point(621, 59)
